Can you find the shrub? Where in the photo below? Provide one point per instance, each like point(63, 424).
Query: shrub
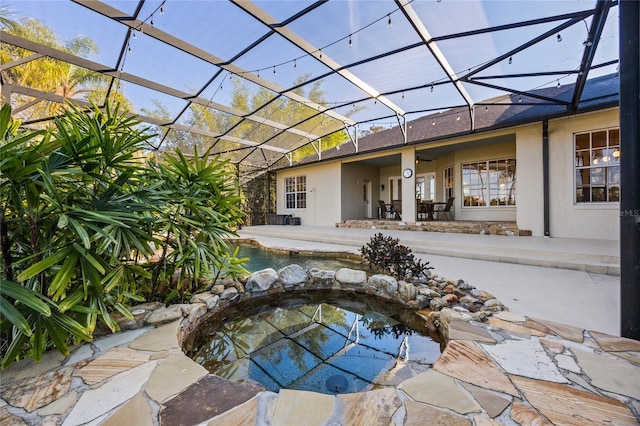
point(389, 256)
point(80, 211)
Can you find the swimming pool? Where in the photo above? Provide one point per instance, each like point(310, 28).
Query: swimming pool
point(260, 258)
point(319, 343)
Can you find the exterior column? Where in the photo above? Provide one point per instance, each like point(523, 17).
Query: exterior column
point(630, 169)
point(408, 162)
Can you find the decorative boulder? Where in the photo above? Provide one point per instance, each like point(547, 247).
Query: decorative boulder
point(407, 291)
point(385, 283)
point(228, 293)
point(261, 280)
point(292, 275)
point(351, 276)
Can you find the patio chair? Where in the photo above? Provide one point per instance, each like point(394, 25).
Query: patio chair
point(445, 209)
point(423, 211)
point(386, 211)
point(397, 209)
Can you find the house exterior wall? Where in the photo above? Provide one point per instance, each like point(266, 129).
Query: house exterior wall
point(323, 189)
point(335, 189)
point(568, 219)
point(529, 184)
point(354, 176)
point(386, 173)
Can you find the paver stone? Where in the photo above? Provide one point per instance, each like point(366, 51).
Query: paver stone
point(465, 361)
point(370, 408)
point(525, 358)
point(464, 330)
point(434, 388)
point(566, 331)
point(614, 375)
point(114, 361)
point(419, 414)
point(97, 402)
point(244, 414)
point(294, 408)
point(527, 416)
point(614, 343)
point(492, 403)
point(162, 338)
point(135, 412)
point(565, 405)
point(36, 392)
point(120, 338)
point(513, 327)
point(208, 397)
point(173, 374)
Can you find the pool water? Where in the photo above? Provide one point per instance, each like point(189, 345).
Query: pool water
point(260, 259)
point(319, 347)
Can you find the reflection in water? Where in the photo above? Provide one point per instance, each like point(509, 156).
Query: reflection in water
point(261, 259)
point(317, 347)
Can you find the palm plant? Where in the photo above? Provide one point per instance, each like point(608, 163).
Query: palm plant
point(199, 209)
point(79, 210)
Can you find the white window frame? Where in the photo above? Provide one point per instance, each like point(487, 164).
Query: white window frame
point(490, 188)
point(602, 169)
point(295, 192)
point(448, 182)
point(421, 186)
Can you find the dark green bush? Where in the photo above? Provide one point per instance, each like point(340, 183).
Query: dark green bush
point(389, 256)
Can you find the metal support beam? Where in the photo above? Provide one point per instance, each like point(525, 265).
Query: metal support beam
point(109, 71)
point(44, 96)
point(630, 169)
point(590, 47)
point(545, 176)
point(423, 33)
point(20, 61)
point(402, 123)
point(263, 17)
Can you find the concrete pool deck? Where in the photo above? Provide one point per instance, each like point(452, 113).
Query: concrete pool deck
point(527, 274)
point(516, 369)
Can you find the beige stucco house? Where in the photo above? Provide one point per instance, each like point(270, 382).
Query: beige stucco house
point(491, 159)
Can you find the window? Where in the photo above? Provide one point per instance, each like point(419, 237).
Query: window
point(489, 183)
point(597, 166)
point(426, 186)
point(448, 182)
point(295, 192)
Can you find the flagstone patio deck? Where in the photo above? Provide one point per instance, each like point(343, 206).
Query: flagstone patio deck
point(512, 370)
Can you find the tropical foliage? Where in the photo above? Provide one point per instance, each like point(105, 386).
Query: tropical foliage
point(51, 75)
point(80, 215)
point(389, 256)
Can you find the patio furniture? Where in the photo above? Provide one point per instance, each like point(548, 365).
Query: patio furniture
point(445, 208)
point(428, 208)
point(397, 209)
point(385, 210)
point(424, 210)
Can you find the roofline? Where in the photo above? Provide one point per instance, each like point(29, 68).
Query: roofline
point(511, 124)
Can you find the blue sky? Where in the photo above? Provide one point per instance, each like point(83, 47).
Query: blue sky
point(223, 30)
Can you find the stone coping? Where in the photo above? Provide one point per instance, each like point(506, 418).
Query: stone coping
point(510, 370)
point(497, 368)
point(453, 226)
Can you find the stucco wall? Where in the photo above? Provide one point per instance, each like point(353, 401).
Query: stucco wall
point(568, 219)
point(354, 177)
point(323, 194)
point(529, 184)
point(334, 190)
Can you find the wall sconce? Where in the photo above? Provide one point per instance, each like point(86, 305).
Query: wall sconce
point(382, 187)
